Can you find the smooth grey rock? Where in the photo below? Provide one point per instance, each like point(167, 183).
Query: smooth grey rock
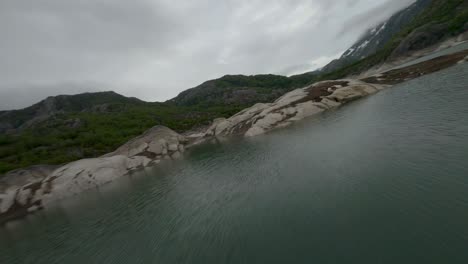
point(140, 149)
point(156, 147)
point(181, 148)
point(176, 155)
point(173, 147)
point(211, 130)
point(7, 199)
point(20, 177)
point(33, 209)
point(353, 92)
point(23, 196)
point(82, 175)
point(293, 106)
point(151, 140)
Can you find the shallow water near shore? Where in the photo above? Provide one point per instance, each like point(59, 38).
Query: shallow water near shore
point(381, 180)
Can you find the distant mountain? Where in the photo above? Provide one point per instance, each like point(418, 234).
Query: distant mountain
point(377, 37)
point(65, 128)
point(235, 90)
point(425, 23)
point(53, 105)
point(420, 25)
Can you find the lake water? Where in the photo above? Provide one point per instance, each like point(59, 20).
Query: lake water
point(381, 180)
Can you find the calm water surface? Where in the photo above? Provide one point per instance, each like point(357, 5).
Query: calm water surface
point(381, 180)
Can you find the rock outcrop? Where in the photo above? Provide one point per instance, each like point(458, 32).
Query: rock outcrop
point(21, 177)
point(156, 143)
point(293, 106)
point(30, 189)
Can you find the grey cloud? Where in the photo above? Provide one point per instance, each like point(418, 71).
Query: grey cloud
point(374, 16)
point(154, 49)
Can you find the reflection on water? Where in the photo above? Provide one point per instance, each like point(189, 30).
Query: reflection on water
point(382, 180)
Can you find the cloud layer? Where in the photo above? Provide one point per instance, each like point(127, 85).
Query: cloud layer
point(154, 49)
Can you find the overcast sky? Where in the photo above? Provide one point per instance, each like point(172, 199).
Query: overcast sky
point(154, 49)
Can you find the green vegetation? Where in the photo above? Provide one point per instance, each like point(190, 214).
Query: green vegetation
point(75, 135)
point(89, 125)
point(241, 90)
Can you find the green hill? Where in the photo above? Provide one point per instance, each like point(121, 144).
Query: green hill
point(66, 128)
point(239, 90)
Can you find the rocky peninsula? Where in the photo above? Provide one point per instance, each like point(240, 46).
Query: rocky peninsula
point(27, 190)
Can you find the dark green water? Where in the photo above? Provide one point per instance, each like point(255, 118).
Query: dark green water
point(381, 180)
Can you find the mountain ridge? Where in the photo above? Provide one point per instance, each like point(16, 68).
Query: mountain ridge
point(52, 105)
point(376, 37)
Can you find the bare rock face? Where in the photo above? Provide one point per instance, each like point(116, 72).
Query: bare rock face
point(464, 60)
point(7, 200)
point(82, 175)
point(158, 140)
point(21, 177)
point(354, 92)
point(293, 106)
point(27, 190)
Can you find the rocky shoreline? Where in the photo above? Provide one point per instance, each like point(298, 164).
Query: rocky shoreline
point(27, 190)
